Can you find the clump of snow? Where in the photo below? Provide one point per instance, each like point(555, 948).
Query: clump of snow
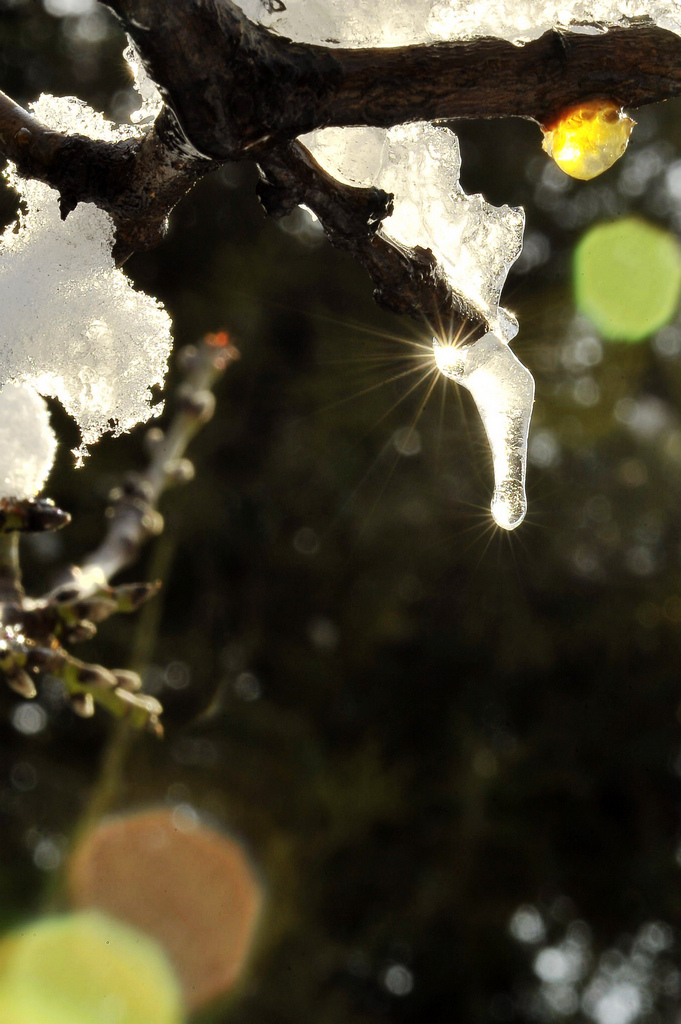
point(73, 327)
point(503, 391)
point(474, 242)
point(404, 22)
point(75, 117)
point(522, 20)
point(72, 116)
point(27, 442)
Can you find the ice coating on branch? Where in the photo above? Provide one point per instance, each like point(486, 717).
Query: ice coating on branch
point(152, 100)
point(73, 326)
point(474, 242)
point(503, 391)
point(27, 442)
point(522, 20)
point(402, 22)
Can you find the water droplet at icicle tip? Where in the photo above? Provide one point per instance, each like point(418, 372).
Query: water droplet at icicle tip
point(503, 392)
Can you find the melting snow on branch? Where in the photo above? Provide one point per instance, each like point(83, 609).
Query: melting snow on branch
point(73, 326)
point(475, 243)
point(403, 22)
point(27, 442)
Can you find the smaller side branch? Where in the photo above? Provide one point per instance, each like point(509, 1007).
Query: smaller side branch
point(11, 589)
point(136, 181)
point(407, 280)
point(133, 516)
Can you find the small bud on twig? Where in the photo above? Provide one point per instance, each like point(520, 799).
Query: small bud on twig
point(129, 681)
point(22, 684)
point(187, 358)
point(200, 404)
point(85, 630)
point(131, 596)
point(35, 516)
point(152, 439)
point(179, 471)
point(83, 705)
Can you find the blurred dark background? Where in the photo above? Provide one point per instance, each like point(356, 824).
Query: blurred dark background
point(452, 753)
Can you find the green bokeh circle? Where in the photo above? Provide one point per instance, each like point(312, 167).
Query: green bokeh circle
point(627, 278)
point(85, 968)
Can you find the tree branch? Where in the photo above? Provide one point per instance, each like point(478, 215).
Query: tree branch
point(408, 281)
point(33, 632)
point(137, 181)
point(238, 89)
point(133, 517)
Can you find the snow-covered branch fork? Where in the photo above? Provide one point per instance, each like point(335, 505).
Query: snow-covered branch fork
point(234, 90)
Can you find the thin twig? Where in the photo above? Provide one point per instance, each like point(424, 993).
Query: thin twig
point(11, 590)
point(33, 631)
point(133, 516)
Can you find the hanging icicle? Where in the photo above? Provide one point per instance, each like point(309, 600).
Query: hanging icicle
point(503, 391)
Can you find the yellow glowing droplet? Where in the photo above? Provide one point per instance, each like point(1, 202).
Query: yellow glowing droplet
point(589, 138)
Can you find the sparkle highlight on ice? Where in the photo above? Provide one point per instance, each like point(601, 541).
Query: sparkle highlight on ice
point(503, 391)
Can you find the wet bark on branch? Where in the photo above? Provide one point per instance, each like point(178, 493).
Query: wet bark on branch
point(136, 181)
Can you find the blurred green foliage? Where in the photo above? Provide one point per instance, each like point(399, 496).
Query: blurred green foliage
point(627, 276)
point(416, 724)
